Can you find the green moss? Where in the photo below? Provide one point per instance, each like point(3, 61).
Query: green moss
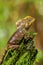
point(24, 55)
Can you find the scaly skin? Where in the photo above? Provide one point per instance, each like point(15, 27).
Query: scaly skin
point(22, 27)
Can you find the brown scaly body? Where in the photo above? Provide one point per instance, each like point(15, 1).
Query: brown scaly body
point(22, 26)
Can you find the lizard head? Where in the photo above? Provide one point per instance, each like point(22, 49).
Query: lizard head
point(29, 21)
point(25, 22)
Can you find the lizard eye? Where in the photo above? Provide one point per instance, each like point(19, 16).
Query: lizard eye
point(28, 18)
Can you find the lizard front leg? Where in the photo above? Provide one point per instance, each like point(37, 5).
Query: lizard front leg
point(13, 47)
point(10, 46)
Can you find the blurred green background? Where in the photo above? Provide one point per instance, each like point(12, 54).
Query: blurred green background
point(11, 11)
